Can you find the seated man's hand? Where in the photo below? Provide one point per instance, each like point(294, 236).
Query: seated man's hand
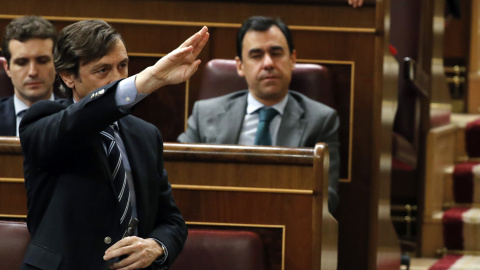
point(176, 67)
point(141, 253)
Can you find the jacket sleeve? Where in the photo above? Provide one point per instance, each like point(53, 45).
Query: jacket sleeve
point(50, 129)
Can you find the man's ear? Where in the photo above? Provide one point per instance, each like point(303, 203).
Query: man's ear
point(68, 78)
point(239, 67)
point(293, 58)
point(5, 67)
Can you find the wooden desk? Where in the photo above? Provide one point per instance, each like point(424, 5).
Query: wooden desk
point(280, 193)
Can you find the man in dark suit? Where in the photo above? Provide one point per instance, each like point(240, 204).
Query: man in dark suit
point(266, 58)
point(77, 211)
point(28, 49)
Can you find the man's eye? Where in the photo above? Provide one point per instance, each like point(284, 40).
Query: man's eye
point(276, 53)
point(20, 62)
point(43, 60)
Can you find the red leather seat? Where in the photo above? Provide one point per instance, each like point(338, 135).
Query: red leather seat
point(220, 250)
point(472, 133)
point(220, 77)
point(204, 249)
point(14, 239)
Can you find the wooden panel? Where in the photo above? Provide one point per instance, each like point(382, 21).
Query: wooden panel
point(432, 242)
point(185, 11)
point(323, 31)
point(473, 92)
point(13, 201)
point(235, 186)
point(440, 157)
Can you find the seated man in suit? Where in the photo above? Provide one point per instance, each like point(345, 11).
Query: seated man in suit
point(28, 49)
point(92, 170)
point(267, 113)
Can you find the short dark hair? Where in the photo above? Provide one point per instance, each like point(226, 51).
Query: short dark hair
point(81, 43)
point(26, 28)
point(261, 23)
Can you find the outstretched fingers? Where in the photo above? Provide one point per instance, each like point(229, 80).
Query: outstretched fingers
point(195, 39)
point(199, 47)
point(191, 69)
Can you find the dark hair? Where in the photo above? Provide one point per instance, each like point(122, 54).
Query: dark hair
point(26, 28)
point(81, 43)
point(260, 23)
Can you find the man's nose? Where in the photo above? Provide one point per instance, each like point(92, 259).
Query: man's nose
point(267, 61)
point(116, 75)
point(32, 69)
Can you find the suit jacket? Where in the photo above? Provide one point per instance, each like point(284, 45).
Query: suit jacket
point(8, 125)
point(71, 200)
point(305, 122)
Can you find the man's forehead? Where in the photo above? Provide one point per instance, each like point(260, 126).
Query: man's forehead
point(117, 52)
point(270, 38)
point(31, 47)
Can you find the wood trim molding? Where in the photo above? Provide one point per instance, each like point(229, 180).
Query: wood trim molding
point(242, 189)
point(199, 24)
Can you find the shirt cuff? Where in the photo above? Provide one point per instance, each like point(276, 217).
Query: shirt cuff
point(163, 258)
point(127, 95)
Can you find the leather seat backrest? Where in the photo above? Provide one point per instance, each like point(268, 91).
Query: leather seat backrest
point(14, 239)
point(220, 77)
point(220, 250)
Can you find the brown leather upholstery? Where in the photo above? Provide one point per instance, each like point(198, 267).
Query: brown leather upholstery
point(204, 249)
point(6, 86)
point(220, 250)
point(220, 77)
point(14, 239)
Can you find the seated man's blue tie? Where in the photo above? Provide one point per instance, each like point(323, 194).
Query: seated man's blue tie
point(119, 177)
point(262, 136)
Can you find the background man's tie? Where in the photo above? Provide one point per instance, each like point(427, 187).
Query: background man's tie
point(262, 136)
point(119, 177)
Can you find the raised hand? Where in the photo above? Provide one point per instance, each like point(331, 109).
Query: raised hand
point(176, 67)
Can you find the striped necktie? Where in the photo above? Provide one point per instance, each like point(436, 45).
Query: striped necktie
point(262, 137)
point(119, 177)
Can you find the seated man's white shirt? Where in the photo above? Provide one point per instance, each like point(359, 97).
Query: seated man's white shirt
point(20, 107)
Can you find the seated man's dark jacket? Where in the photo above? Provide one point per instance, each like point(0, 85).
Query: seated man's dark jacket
point(8, 124)
point(71, 201)
point(305, 122)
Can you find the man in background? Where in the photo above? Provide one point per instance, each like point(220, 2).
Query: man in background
point(28, 49)
point(268, 113)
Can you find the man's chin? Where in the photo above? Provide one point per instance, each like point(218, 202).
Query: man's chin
point(37, 94)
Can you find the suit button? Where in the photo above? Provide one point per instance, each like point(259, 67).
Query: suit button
point(107, 240)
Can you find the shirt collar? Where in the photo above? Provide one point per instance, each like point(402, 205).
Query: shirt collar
point(21, 106)
point(254, 105)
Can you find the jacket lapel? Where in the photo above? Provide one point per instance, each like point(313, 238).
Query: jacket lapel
point(292, 126)
point(230, 123)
